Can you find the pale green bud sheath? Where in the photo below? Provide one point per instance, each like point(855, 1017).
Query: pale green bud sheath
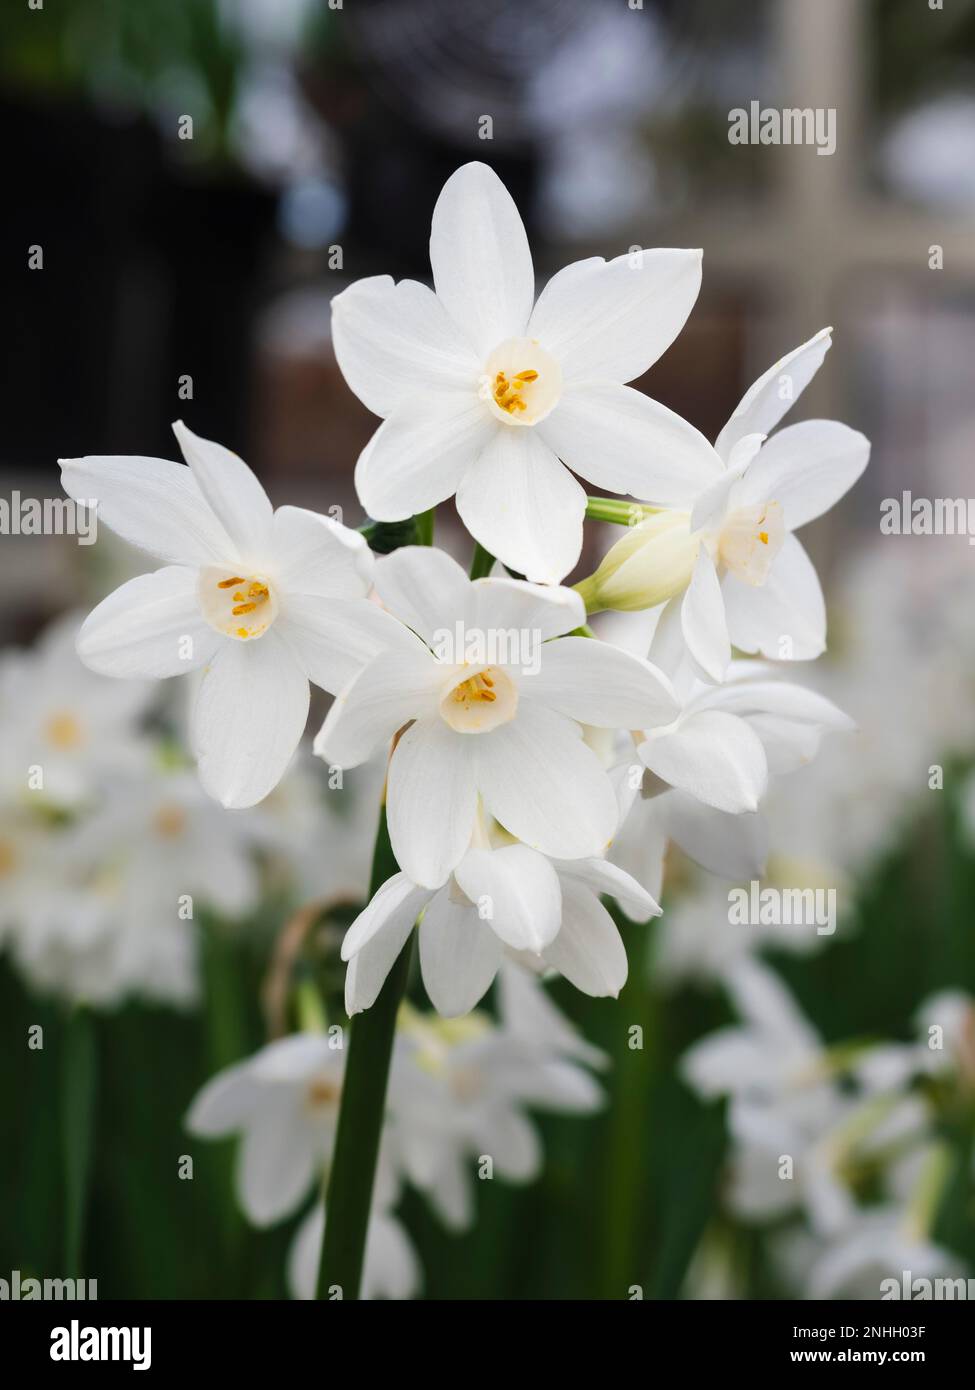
point(651, 563)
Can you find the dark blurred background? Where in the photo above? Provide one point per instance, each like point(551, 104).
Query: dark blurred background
point(192, 276)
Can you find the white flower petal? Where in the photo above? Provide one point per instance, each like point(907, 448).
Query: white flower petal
point(394, 342)
point(418, 458)
point(600, 876)
point(150, 627)
point(784, 618)
point(482, 265)
point(714, 756)
point(248, 718)
point(371, 964)
point(524, 506)
point(512, 605)
point(613, 319)
point(806, 468)
point(623, 441)
point(545, 786)
point(512, 1142)
point(425, 588)
point(588, 950)
point(518, 889)
point(393, 689)
point(153, 504)
point(776, 391)
point(313, 554)
point(396, 903)
point(733, 846)
point(432, 800)
point(713, 501)
point(333, 639)
point(702, 619)
point(777, 697)
point(597, 683)
point(238, 500)
point(276, 1167)
point(225, 1103)
point(459, 956)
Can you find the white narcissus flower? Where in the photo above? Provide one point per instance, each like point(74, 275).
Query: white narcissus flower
point(284, 1102)
point(159, 837)
point(265, 601)
point(482, 394)
point(707, 773)
point(63, 729)
point(877, 1245)
point(459, 1091)
point(501, 896)
point(495, 714)
point(726, 557)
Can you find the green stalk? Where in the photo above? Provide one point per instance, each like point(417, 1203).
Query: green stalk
point(481, 561)
point(348, 1197)
point(617, 510)
point(348, 1190)
point(79, 1078)
point(424, 527)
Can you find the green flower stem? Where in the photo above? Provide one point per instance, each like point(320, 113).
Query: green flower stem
point(617, 510)
point(348, 1190)
point(348, 1197)
point(481, 561)
point(79, 1085)
point(424, 527)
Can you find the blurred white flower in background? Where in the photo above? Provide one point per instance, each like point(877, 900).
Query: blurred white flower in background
point(64, 730)
point(459, 1095)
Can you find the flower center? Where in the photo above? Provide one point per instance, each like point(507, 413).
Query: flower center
point(521, 382)
point(750, 540)
point(63, 730)
point(169, 821)
point(481, 702)
point(323, 1094)
point(237, 605)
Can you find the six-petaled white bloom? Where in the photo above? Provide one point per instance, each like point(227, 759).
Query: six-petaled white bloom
point(482, 394)
point(264, 600)
point(501, 896)
point(724, 552)
point(504, 726)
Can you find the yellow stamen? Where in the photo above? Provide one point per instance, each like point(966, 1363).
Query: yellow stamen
point(477, 688)
point(763, 537)
point(243, 608)
point(506, 393)
point(63, 730)
point(229, 583)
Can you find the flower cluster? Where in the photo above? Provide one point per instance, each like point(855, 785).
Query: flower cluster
point(849, 1136)
point(457, 1106)
point(527, 755)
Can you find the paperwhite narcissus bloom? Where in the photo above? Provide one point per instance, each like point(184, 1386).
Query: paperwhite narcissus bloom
point(707, 773)
point(878, 1244)
point(264, 600)
point(501, 895)
point(494, 715)
point(63, 729)
point(726, 557)
point(481, 394)
point(284, 1101)
point(460, 1090)
point(159, 837)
